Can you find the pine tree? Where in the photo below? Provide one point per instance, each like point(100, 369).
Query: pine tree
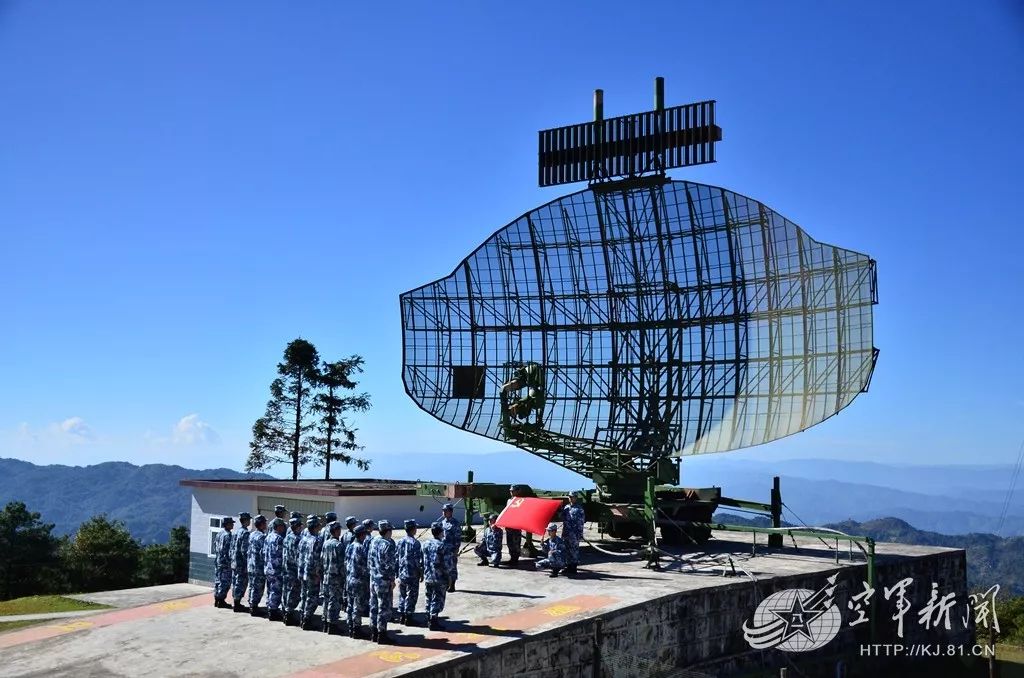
point(337, 438)
point(282, 433)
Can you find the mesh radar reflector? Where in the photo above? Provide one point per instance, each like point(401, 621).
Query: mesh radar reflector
point(664, 318)
point(618, 328)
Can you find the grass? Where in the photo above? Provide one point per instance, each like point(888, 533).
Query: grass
point(41, 604)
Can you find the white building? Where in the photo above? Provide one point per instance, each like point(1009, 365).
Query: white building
point(391, 500)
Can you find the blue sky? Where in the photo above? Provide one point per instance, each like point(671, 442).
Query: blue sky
point(184, 187)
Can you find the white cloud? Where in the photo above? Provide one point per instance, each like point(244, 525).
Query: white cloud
point(76, 430)
point(191, 430)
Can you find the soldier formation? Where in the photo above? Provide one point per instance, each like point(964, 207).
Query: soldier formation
point(302, 564)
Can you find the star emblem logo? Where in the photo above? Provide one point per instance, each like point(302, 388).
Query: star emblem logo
point(797, 620)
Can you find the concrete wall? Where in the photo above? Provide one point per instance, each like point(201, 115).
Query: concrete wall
point(701, 630)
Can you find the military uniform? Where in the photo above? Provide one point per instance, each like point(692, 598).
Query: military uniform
point(364, 600)
point(357, 580)
point(347, 535)
point(554, 552)
point(291, 583)
point(240, 561)
point(333, 560)
point(573, 519)
point(256, 563)
point(437, 573)
point(488, 550)
point(383, 564)
point(273, 557)
point(310, 570)
point(222, 563)
point(453, 537)
point(410, 573)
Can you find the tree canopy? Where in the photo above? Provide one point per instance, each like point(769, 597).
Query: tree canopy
point(305, 421)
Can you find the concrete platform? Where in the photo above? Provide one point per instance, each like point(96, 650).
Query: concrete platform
point(629, 620)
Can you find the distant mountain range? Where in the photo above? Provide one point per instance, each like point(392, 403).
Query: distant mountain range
point(943, 499)
point(147, 498)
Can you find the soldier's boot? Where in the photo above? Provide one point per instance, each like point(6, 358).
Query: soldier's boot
point(555, 571)
point(254, 611)
point(512, 560)
point(403, 619)
point(482, 563)
point(238, 607)
point(433, 624)
point(451, 587)
point(570, 569)
point(274, 615)
point(384, 639)
point(304, 624)
point(220, 602)
point(374, 635)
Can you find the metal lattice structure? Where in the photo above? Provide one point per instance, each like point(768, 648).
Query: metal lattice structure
point(661, 318)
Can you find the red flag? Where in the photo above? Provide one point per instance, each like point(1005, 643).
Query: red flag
point(529, 513)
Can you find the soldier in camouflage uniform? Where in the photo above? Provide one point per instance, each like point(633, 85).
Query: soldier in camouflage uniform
point(383, 565)
point(325, 534)
point(273, 557)
point(291, 583)
point(222, 564)
point(333, 559)
point(364, 601)
point(554, 552)
point(573, 518)
point(310, 571)
point(437, 573)
point(453, 537)
point(240, 562)
point(514, 538)
point(347, 535)
point(257, 564)
point(410, 573)
point(357, 579)
point(488, 550)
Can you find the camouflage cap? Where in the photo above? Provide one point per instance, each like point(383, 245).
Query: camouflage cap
point(278, 508)
point(277, 522)
point(331, 516)
point(312, 522)
point(368, 524)
point(436, 525)
point(492, 517)
point(296, 514)
point(334, 526)
point(350, 521)
point(448, 507)
point(294, 521)
point(360, 529)
point(260, 520)
point(409, 523)
point(384, 525)
point(553, 527)
point(244, 515)
point(227, 519)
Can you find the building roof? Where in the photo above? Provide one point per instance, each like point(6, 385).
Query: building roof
point(322, 488)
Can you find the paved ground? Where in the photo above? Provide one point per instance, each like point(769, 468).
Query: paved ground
point(188, 636)
point(142, 596)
